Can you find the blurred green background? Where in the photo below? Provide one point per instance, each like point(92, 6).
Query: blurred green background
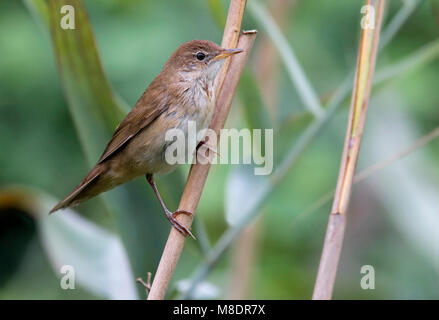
point(393, 221)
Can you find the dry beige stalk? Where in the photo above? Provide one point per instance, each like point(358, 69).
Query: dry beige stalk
point(359, 103)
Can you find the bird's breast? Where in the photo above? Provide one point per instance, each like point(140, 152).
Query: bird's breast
point(195, 104)
point(201, 102)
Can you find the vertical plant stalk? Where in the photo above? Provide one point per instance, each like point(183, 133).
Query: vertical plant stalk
point(360, 99)
point(198, 173)
point(231, 36)
point(225, 87)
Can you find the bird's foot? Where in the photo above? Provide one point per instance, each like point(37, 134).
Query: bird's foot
point(178, 212)
point(204, 149)
point(177, 225)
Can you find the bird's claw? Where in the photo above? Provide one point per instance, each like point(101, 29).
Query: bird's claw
point(208, 147)
point(177, 225)
point(178, 212)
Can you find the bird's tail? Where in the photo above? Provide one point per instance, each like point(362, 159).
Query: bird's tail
point(82, 191)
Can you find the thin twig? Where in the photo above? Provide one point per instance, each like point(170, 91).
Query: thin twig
point(359, 103)
point(421, 56)
point(373, 169)
point(147, 284)
point(225, 86)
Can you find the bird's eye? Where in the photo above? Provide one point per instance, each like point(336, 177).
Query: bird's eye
point(201, 56)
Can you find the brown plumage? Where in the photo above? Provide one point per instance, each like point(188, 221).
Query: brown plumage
point(183, 91)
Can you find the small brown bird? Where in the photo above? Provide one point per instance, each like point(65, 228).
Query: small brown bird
point(182, 92)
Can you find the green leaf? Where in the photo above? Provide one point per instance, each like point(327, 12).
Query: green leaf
point(298, 77)
point(218, 12)
point(420, 57)
point(98, 258)
point(255, 111)
point(95, 109)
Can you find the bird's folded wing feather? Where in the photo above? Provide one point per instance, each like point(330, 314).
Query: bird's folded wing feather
point(150, 106)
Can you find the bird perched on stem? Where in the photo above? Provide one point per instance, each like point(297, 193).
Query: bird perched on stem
point(182, 92)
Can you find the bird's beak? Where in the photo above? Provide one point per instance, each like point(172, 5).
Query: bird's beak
point(226, 53)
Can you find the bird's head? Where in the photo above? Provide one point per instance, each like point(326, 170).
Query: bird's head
point(199, 58)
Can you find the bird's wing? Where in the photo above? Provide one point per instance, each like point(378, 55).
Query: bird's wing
point(151, 105)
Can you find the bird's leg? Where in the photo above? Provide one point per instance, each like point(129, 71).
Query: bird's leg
point(171, 216)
